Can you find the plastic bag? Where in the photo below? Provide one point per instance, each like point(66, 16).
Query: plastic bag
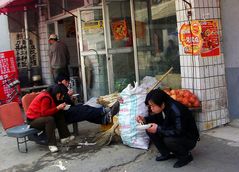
point(93, 102)
point(131, 105)
point(148, 82)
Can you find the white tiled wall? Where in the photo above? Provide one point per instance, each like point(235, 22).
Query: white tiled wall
point(43, 46)
point(208, 79)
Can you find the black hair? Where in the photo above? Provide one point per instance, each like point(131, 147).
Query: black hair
point(157, 96)
point(61, 76)
point(53, 90)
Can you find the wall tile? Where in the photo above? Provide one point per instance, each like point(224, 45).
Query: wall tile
point(200, 3)
point(213, 96)
point(203, 84)
point(196, 3)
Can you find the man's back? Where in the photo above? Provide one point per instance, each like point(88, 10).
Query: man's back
point(59, 55)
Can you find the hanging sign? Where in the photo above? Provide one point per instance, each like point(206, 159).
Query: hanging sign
point(8, 78)
point(200, 38)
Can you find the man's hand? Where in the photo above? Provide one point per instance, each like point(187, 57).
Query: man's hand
point(153, 128)
point(70, 92)
point(61, 106)
point(140, 119)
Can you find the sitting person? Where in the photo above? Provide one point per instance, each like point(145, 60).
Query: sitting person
point(81, 112)
point(44, 114)
point(173, 129)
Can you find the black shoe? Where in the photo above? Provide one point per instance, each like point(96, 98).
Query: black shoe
point(109, 113)
point(165, 157)
point(115, 108)
point(183, 161)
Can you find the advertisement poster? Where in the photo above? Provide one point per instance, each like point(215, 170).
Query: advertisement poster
point(119, 29)
point(190, 36)
point(211, 41)
point(93, 27)
point(8, 78)
point(201, 38)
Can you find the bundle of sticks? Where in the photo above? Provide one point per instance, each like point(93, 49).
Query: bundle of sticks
point(105, 138)
point(108, 100)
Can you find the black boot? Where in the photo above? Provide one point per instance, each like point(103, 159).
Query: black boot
point(183, 161)
point(108, 117)
point(165, 157)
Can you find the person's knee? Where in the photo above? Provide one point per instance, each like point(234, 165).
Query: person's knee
point(50, 121)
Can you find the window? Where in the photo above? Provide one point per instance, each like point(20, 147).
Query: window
point(157, 40)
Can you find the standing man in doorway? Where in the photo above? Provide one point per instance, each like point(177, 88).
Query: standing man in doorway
point(59, 56)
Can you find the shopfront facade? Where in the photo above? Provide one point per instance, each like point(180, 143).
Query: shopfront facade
point(128, 42)
point(116, 42)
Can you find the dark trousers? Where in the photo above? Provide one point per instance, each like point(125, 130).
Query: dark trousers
point(180, 146)
point(61, 125)
point(48, 124)
point(81, 112)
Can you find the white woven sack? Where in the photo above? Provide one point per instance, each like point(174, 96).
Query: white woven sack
point(132, 104)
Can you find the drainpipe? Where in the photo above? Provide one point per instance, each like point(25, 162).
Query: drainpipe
point(27, 45)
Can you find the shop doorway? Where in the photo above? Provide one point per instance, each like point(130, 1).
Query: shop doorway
point(106, 48)
point(66, 30)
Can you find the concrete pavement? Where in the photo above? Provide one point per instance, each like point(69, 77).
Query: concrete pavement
point(217, 151)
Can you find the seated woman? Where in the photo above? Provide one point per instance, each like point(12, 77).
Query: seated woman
point(81, 112)
point(44, 114)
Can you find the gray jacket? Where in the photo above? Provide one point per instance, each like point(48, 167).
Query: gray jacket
point(59, 55)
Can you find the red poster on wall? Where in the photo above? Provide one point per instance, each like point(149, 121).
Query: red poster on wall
point(9, 84)
point(211, 42)
point(119, 29)
point(200, 38)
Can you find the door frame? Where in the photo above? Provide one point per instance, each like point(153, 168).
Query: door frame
point(107, 51)
point(89, 52)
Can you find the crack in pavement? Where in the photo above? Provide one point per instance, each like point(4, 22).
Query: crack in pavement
point(114, 168)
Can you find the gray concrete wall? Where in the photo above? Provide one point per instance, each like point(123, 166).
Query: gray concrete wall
point(230, 24)
point(4, 38)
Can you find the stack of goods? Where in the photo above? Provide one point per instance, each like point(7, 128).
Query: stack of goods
point(185, 97)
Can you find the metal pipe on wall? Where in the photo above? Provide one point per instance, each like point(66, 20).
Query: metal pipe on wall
point(27, 45)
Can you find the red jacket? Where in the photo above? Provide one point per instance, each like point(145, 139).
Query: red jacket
point(42, 105)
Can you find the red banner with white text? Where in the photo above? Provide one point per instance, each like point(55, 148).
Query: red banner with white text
point(9, 83)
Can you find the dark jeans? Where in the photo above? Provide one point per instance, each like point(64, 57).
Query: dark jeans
point(180, 146)
point(48, 124)
point(81, 112)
